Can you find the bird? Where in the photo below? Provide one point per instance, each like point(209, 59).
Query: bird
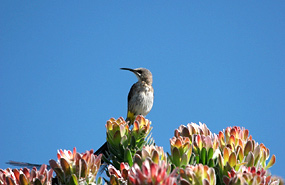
point(140, 99)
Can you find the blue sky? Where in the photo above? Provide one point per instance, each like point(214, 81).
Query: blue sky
point(220, 63)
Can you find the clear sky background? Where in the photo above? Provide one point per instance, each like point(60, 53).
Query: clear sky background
point(217, 62)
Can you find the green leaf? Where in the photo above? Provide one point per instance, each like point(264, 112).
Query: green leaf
point(138, 159)
point(221, 162)
point(65, 166)
point(232, 159)
point(205, 182)
point(240, 153)
point(211, 163)
point(197, 159)
point(117, 138)
point(140, 143)
point(210, 154)
point(37, 182)
point(113, 180)
point(73, 180)
point(249, 159)
point(128, 157)
point(10, 181)
point(248, 148)
point(203, 155)
point(83, 168)
point(133, 142)
point(176, 157)
point(124, 141)
point(170, 157)
point(155, 157)
point(99, 180)
point(256, 158)
point(192, 159)
point(184, 182)
point(56, 168)
point(271, 162)
point(23, 180)
point(183, 160)
point(121, 150)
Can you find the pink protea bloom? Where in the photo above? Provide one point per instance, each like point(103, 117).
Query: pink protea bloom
point(26, 176)
point(151, 173)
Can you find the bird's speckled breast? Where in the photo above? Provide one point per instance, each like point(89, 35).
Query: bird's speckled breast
point(142, 101)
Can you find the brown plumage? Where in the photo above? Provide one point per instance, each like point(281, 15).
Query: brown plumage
point(140, 97)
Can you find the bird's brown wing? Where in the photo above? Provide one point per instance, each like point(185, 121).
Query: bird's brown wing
point(132, 91)
point(131, 113)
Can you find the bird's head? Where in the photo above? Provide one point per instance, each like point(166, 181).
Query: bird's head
point(143, 74)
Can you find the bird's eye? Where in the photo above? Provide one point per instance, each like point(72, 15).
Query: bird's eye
point(139, 71)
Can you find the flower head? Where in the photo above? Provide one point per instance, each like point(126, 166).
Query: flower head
point(73, 167)
point(26, 176)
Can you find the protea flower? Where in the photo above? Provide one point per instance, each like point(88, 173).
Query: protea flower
point(151, 173)
point(123, 143)
point(204, 145)
point(155, 153)
point(198, 174)
point(181, 151)
point(192, 129)
point(26, 176)
point(74, 168)
point(238, 149)
point(232, 149)
point(147, 173)
point(250, 175)
point(119, 176)
point(117, 131)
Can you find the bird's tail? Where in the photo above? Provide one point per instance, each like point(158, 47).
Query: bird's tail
point(130, 118)
point(102, 150)
point(24, 164)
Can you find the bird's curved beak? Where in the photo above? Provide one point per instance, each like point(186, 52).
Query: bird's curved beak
point(132, 70)
point(129, 69)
